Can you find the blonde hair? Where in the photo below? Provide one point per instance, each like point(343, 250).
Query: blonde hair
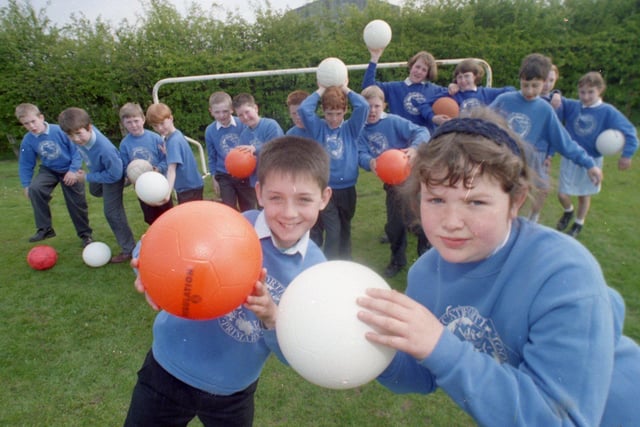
point(371, 92)
point(25, 109)
point(220, 98)
point(131, 109)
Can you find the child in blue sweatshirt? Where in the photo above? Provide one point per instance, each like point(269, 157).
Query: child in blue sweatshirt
point(140, 143)
point(210, 368)
point(406, 96)
point(535, 121)
point(513, 320)
point(585, 119)
point(105, 177)
point(60, 161)
point(383, 132)
point(222, 136)
point(339, 137)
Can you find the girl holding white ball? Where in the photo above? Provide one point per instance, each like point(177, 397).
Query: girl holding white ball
point(404, 97)
point(513, 320)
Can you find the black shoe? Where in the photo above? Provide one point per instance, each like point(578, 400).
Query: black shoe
point(392, 269)
point(42, 234)
point(384, 239)
point(121, 257)
point(86, 241)
point(564, 221)
point(575, 230)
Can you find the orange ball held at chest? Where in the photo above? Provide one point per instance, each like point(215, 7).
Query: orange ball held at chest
point(240, 163)
point(446, 106)
point(392, 167)
point(200, 260)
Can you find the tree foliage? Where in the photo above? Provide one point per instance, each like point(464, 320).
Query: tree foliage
point(99, 66)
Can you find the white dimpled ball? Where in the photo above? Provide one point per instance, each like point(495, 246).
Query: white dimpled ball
point(152, 187)
point(96, 254)
point(377, 34)
point(331, 72)
point(319, 332)
point(610, 142)
point(136, 168)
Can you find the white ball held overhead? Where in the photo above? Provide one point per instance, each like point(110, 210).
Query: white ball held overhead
point(136, 168)
point(377, 34)
point(152, 187)
point(96, 254)
point(331, 72)
point(319, 332)
point(610, 142)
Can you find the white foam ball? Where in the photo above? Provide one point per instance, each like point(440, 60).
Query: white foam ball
point(96, 254)
point(152, 187)
point(331, 72)
point(136, 168)
point(318, 330)
point(610, 142)
point(377, 34)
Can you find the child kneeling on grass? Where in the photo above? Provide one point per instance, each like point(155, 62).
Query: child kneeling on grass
point(210, 369)
point(513, 320)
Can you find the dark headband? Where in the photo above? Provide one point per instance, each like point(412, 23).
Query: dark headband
point(481, 127)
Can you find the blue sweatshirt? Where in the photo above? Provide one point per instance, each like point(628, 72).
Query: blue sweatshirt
point(147, 146)
point(220, 140)
point(341, 143)
point(54, 149)
point(226, 355)
point(481, 96)
point(179, 152)
point(532, 336)
point(389, 132)
point(403, 97)
point(584, 124)
point(537, 123)
point(102, 158)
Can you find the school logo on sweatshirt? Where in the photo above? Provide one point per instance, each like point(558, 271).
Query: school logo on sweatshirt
point(229, 141)
point(334, 146)
point(411, 100)
point(378, 143)
point(49, 150)
point(241, 324)
point(520, 124)
point(585, 125)
point(468, 324)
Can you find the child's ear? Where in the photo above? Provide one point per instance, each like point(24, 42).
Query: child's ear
point(326, 196)
point(517, 202)
point(258, 194)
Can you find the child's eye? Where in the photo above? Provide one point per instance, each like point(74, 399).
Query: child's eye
point(434, 200)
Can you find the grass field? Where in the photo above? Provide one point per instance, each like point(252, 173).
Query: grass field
point(73, 337)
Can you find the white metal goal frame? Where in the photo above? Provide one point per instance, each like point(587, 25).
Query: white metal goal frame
point(288, 71)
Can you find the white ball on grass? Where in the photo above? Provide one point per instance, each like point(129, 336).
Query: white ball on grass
point(96, 254)
point(318, 330)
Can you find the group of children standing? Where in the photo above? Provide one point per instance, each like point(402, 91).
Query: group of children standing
point(506, 348)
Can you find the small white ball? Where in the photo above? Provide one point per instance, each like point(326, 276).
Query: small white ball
point(136, 168)
point(319, 332)
point(610, 142)
point(152, 187)
point(331, 72)
point(96, 254)
point(377, 34)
